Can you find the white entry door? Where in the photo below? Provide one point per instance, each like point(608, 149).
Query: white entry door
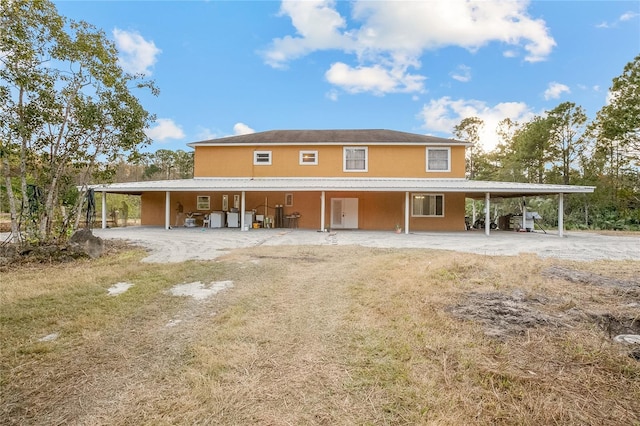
point(344, 213)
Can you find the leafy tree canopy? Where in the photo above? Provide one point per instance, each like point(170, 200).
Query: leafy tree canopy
point(67, 105)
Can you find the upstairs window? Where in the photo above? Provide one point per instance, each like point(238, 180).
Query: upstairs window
point(355, 159)
point(427, 205)
point(308, 158)
point(262, 158)
point(438, 159)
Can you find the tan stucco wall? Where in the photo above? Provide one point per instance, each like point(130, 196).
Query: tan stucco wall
point(152, 208)
point(376, 210)
point(453, 220)
point(153, 205)
point(384, 161)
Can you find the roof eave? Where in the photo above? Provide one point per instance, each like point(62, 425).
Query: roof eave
point(471, 189)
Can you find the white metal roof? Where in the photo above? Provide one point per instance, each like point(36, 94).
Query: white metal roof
point(471, 188)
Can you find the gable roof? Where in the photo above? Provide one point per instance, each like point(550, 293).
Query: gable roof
point(329, 137)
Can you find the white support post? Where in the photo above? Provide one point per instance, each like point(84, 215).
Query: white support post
point(406, 212)
point(322, 208)
point(242, 210)
point(561, 214)
point(473, 212)
point(167, 210)
point(104, 210)
point(487, 214)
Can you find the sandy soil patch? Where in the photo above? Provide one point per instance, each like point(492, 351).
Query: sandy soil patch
point(200, 291)
point(119, 288)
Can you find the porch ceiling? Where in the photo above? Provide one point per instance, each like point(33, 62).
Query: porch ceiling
point(471, 188)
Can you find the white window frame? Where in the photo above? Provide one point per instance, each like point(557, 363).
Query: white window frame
point(413, 200)
point(434, 148)
point(203, 202)
point(366, 159)
point(308, 163)
point(258, 154)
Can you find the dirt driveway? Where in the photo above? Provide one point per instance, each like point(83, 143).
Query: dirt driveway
point(315, 328)
point(180, 244)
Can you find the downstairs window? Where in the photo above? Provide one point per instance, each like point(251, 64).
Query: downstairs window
point(427, 205)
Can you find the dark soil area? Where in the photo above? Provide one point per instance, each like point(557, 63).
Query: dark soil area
point(505, 315)
point(15, 256)
point(589, 278)
point(614, 326)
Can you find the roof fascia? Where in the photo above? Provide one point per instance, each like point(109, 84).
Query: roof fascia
point(444, 143)
point(472, 189)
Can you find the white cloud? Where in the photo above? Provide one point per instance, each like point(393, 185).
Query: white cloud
point(242, 129)
point(555, 90)
point(462, 74)
point(418, 26)
point(376, 79)
point(136, 55)
point(390, 36)
point(332, 95)
point(628, 16)
point(442, 115)
point(165, 129)
point(239, 128)
point(205, 133)
point(318, 26)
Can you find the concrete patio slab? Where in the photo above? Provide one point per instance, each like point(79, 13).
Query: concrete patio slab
point(180, 244)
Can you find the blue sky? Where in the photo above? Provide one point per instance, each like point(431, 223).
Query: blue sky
point(232, 67)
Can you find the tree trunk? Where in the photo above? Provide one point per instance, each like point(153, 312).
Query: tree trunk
point(23, 160)
point(586, 213)
point(15, 229)
point(78, 209)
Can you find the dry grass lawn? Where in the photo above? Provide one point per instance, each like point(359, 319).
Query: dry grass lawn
point(321, 335)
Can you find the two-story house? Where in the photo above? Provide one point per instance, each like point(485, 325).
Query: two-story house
point(337, 179)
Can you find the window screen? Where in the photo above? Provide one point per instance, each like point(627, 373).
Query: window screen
point(262, 157)
point(355, 159)
point(437, 159)
point(428, 205)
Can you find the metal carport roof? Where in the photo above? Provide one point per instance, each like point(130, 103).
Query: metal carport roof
point(471, 188)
